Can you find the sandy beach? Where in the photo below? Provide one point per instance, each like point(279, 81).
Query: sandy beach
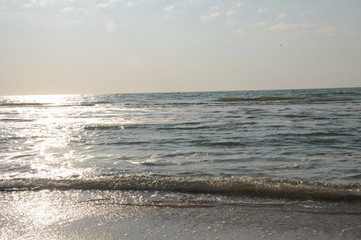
point(130, 215)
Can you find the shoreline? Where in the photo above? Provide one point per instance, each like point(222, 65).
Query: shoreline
point(104, 215)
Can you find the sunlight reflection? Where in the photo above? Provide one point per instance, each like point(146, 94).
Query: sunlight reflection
point(34, 211)
point(49, 134)
point(50, 99)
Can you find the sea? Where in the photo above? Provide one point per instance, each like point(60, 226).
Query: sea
point(277, 144)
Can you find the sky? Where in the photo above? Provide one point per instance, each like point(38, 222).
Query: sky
point(121, 46)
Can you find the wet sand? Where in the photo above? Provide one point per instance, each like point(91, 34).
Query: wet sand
point(113, 215)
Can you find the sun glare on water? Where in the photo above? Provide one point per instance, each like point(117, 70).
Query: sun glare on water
point(49, 129)
point(44, 99)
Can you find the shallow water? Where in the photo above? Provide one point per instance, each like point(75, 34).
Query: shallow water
point(286, 143)
point(81, 214)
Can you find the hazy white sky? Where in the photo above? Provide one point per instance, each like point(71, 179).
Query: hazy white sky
point(115, 46)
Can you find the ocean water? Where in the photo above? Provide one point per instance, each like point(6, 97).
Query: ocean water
point(283, 144)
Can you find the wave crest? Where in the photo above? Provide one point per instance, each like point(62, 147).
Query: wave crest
point(254, 187)
point(282, 99)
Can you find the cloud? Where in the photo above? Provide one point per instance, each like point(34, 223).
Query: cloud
point(103, 5)
point(210, 16)
point(231, 13)
point(130, 4)
point(282, 15)
point(169, 8)
point(73, 10)
point(326, 31)
point(36, 3)
point(298, 27)
point(260, 24)
point(217, 11)
point(237, 5)
point(216, 14)
point(106, 3)
point(262, 10)
point(68, 9)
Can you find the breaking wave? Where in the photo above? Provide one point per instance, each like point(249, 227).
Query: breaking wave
point(21, 104)
point(254, 187)
point(283, 99)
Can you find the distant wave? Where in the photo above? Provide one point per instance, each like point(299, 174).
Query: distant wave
point(104, 127)
point(261, 99)
point(282, 99)
point(36, 104)
point(21, 104)
point(315, 134)
point(16, 120)
point(254, 187)
point(157, 126)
